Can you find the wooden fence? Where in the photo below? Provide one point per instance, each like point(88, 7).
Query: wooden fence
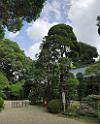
point(16, 104)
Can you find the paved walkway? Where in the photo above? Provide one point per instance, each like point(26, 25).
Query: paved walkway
point(32, 115)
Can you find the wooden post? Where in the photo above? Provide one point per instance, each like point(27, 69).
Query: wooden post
point(64, 101)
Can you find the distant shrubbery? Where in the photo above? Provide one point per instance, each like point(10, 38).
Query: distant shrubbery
point(54, 106)
point(14, 91)
point(34, 97)
point(73, 110)
point(1, 102)
point(91, 100)
point(99, 115)
point(3, 95)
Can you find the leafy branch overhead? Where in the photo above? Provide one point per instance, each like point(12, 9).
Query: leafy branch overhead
point(14, 12)
point(98, 24)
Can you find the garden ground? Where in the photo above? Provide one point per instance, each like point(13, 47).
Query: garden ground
point(33, 115)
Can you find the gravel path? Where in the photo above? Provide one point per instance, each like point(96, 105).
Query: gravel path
point(32, 115)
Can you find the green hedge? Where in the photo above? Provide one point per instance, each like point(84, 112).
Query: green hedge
point(54, 106)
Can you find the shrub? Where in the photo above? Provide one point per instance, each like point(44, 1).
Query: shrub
point(1, 102)
point(73, 110)
point(36, 93)
point(3, 95)
point(54, 106)
point(16, 91)
point(99, 115)
point(34, 98)
point(91, 100)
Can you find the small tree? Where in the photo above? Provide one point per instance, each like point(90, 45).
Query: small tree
point(81, 86)
point(71, 89)
point(36, 93)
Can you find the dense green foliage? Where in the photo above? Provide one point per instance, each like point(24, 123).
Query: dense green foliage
point(54, 60)
point(3, 81)
point(2, 33)
point(13, 60)
point(81, 87)
point(89, 82)
point(3, 95)
point(54, 106)
point(73, 110)
point(72, 84)
point(99, 115)
point(87, 54)
point(36, 93)
point(94, 71)
point(16, 91)
point(27, 87)
point(92, 100)
point(15, 69)
point(1, 102)
point(14, 12)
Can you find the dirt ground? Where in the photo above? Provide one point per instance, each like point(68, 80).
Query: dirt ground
point(32, 115)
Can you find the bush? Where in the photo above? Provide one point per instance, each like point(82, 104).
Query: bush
point(99, 115)
point(73, 110)
point(91, 100)
point(36, 94)
point(15, 91)
point(54, 106)
point(1, 102)
point(34, 98)
point(3, 95)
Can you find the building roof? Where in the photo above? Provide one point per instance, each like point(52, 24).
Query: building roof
point(81, 69)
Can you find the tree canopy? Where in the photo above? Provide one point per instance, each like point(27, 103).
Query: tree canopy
point(87, 54)
point(61, 40)
point(55, 58)
point(14, 12)
point(93, 70)
point(13, 60)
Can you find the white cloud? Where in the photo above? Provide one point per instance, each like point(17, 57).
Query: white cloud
point(33, 50)
point(83, 15)
point(51, 9)
point(36, 31)
point(56, 10)
point(12, 35)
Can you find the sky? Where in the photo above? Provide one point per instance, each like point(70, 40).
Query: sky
point(80, 14)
